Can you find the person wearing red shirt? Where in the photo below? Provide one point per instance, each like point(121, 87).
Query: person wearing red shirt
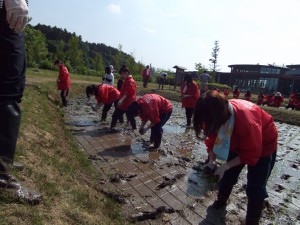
point(297, 102)
point(127, 96)
point(146, 74)
point(63, 81)
point(226, 92)
point(153, 108)
point(260, 98)
point(105, 95)
point(247, 96)
point(189, 94)
point(252, 142)
point(277, 100)
point(236, 93)
point(269, 100)
point(291, 102)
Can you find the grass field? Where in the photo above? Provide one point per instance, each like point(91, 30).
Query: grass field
point(57, 167)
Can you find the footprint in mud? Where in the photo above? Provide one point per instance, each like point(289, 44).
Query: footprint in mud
point(285, 177)
point(295, 166)
point(279, 188)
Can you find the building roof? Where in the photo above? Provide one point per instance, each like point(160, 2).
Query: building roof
point(293, 66)
point(179, 67)
point(256, 65)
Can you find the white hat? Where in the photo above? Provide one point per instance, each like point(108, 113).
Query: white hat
point(278, 94)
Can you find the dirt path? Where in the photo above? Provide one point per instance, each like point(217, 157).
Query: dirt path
point(169, 186)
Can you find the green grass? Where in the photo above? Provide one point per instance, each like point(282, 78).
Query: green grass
point(54, 164)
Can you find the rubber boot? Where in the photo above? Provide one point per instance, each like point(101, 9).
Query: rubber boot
point(157, 141)
point(10, 115)
point(254, 209)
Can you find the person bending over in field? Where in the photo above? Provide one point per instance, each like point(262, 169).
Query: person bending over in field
point(241, 133)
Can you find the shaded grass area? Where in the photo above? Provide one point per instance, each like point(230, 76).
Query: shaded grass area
point(56, 167)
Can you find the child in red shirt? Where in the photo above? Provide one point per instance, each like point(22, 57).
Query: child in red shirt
point(189, 94)
point(105, 95)
point(153, 108)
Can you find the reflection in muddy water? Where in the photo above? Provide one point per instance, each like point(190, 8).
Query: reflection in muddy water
point(85, 123)
point(176, 129)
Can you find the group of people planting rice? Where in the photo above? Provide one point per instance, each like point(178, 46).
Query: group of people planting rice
point(236, 131)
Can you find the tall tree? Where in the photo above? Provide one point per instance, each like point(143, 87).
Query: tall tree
point(118, 59)
point(35, 44)
point(214, 58)
point(98, 63)
point(59, 51)
point(74, 53)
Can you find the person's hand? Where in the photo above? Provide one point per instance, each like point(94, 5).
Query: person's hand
point(57, 80)
point(142, 131)
point(16, 14)
point(221, 170)
point(211, 165)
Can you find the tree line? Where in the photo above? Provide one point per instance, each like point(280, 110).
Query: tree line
point(44, 44)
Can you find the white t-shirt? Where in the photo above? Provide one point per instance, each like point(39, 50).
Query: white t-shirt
point(204, 77)
point(108, 79)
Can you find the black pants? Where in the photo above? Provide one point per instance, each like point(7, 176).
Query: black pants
point(146, 80)
point(290, 106)
point(257, 178)
point(12, 83)
point(64, 97)
point(118, 115)
point(105, 110)
point(157, 130)
point(189, 114)
point(161, 83)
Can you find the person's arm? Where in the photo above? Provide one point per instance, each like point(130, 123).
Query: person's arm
point(141, 130)
point(230, 164)
point(122, 99)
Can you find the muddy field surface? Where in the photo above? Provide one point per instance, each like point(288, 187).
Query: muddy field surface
point(170, 185)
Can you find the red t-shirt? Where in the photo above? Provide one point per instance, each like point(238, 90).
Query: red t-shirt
point(152, 106)
point(64, 82)
point(128, 88)
point(254, 134)
point(190, 89)
point(277, 100)
point(107, 94)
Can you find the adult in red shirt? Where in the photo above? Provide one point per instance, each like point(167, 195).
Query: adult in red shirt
point(153, 108)
point(269, 100)
point(260, 98)
point(247, 96)
point(226, 92)
point(189, 94)
point(146, 74)
point(236, 93)
point(277, 100)
point(105, 95)
point(127, 96)
point(63, 81)
point(253, 142)
point(297, 102)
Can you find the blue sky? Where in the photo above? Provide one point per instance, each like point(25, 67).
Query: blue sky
point(182, 32)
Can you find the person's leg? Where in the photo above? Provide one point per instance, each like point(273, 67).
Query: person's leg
point(257, 178)
point(157, 130)
point(63, 97)
point(12, 83)
point(115, 117)
point(189, 115)
point(132, 121)
point(121, 118)
point(229, 179)
point(105, 109)
point(162, 84)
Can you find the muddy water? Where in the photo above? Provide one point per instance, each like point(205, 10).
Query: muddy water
point(181, 148)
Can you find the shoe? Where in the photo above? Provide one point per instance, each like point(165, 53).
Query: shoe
point(18, 166)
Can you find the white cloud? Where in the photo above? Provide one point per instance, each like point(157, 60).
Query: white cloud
point(149, 30)
point(114, 8)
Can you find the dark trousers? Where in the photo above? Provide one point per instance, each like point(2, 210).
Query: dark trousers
point(290, 106)
point(157, 130)
point(64, 97)
point(105, 110)
point(146, 80)
point(161, 83)
point(118, 115)
point(12, 83)
point(257, 178)
point(189, 114)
